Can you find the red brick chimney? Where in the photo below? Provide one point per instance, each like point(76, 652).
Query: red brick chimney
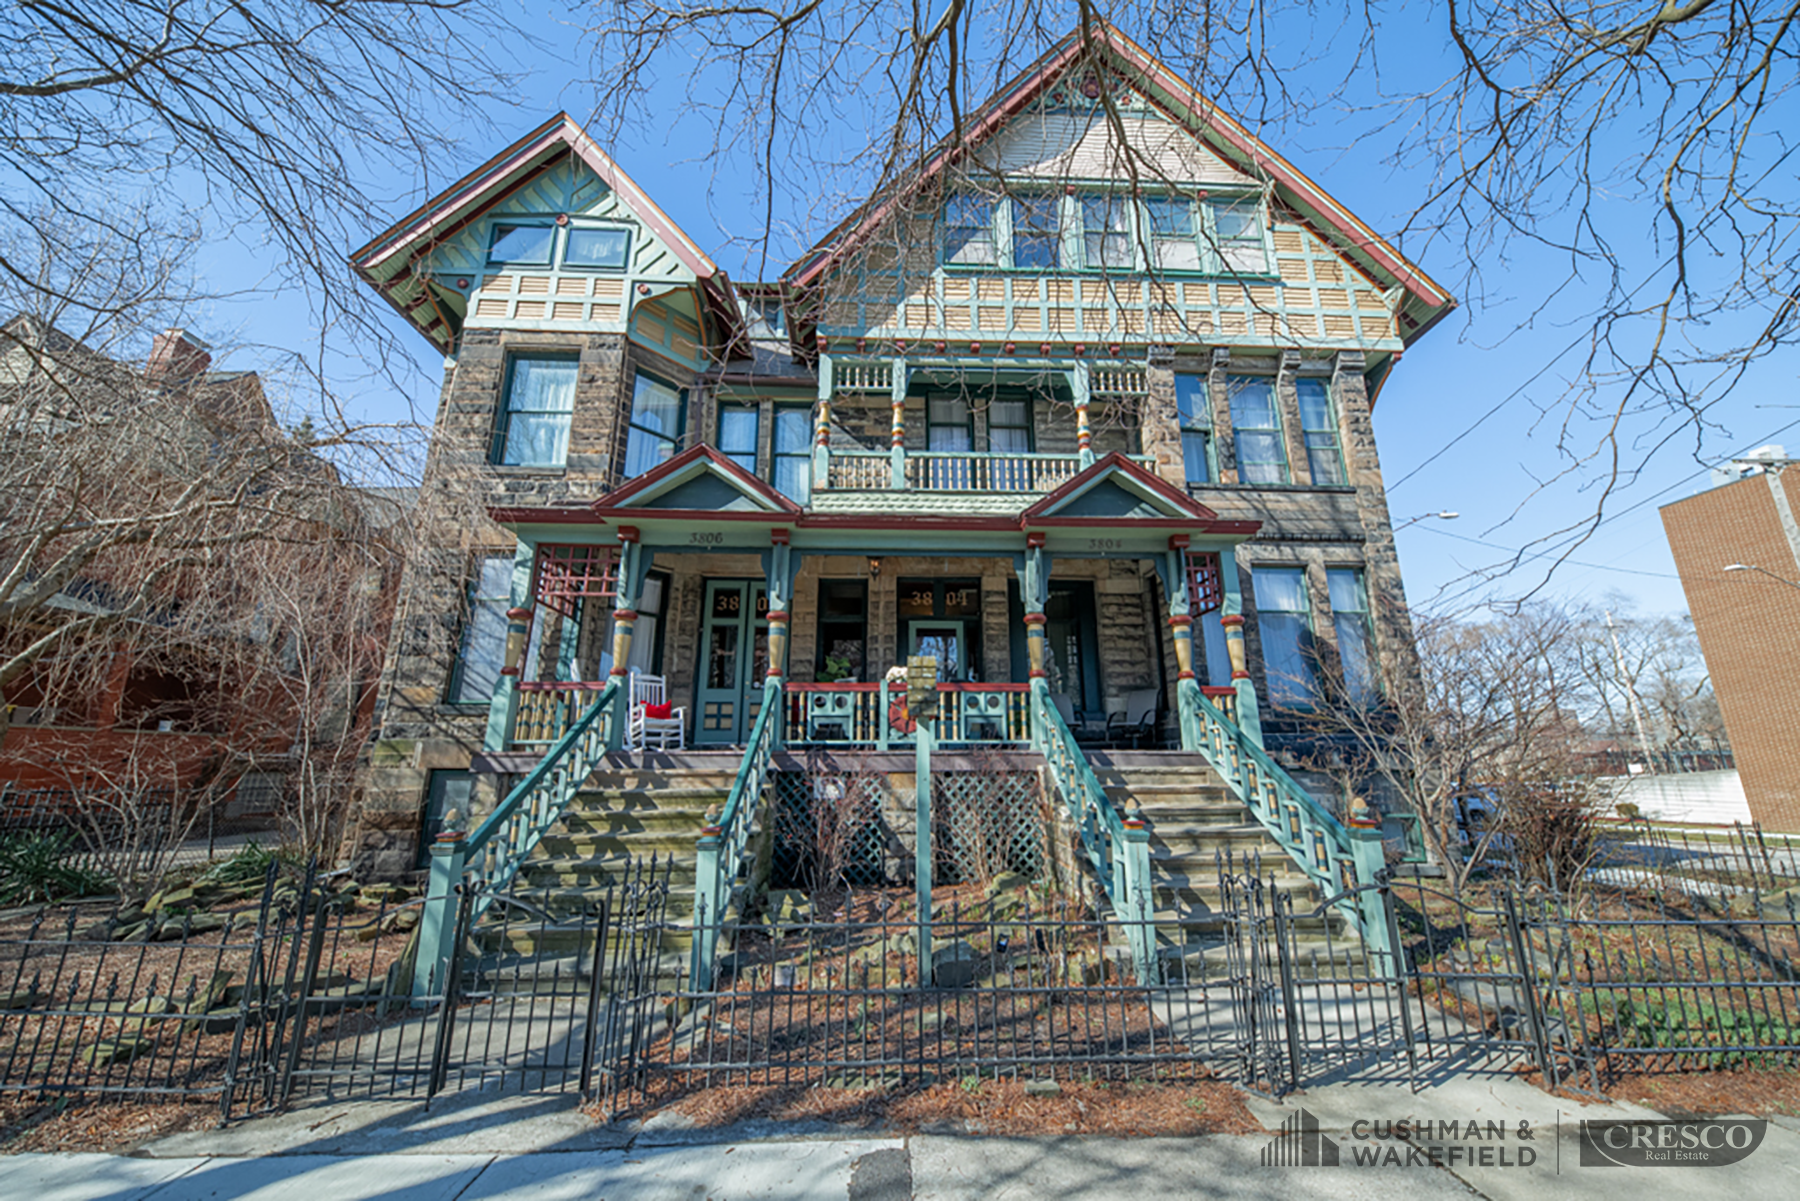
point(174, 355)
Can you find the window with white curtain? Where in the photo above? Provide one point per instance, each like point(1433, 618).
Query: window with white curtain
point(1284, 622)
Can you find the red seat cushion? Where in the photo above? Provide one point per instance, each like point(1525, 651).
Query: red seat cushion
point(659, 712)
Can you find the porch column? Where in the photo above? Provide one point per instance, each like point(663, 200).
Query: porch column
point(1034, 591)
point(897, 443)
point(633, 566)
point(779, 566)
point(1081, 385)
point(821, 464)
point(503, 709)
point(1249, 717)
point(1181, 631)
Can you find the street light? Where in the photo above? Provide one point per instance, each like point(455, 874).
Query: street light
point(1441, 515)
point(1763, 570)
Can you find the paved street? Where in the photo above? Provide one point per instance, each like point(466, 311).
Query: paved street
point(538, 1148)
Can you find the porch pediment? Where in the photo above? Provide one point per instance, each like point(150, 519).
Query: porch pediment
point(697, 481)
point(1116, 490)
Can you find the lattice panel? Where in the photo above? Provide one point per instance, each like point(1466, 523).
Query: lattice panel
point(567, 575)
point(821, 817)
point(985, 823)
point(1206, 590)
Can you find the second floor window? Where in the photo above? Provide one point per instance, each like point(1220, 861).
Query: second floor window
point(1238, 236)
point(1319, 422)
point(1194, 411)
point(1009, 427)
point(793, 452)
point(540, 403)
point(1256, 430)
point(739, 432)
point(656, 415)
point(1173, 246)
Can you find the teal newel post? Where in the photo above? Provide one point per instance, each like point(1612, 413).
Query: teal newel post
point(1370, 862)
point(437, 920)
point(897, 439)
point(821, 464)
point(1081, 386)
point(1173, 568)
point(922, 738)
point(1249, 717)
point(634, 565)
point(709, 895)
point(1034, 592)
point(779, 566)
point(1140, 909)
point(503, 709)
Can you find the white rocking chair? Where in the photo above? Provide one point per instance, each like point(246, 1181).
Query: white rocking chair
point(643, 731)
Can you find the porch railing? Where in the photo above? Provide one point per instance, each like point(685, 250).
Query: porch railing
point(1117, 846)
point(492, 855)
point(1343, 862)
point(547, 708)
point(720, 849)
point(954, 471)
point(865, 715)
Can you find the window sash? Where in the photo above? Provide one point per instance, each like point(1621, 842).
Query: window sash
point(1355, 633)
point(969, 230)
point(1106, 232)
point(1037, 231)
point(1318, 422)
point(540, 404)
point(740, 428)
point(597, 247)
point(522, 245)
point(1256, 429)
point(1173, 244)
point(1284, 623)
point(793, 453)
point(482, 649)
point(947, 424)
point(656, 417)
point(1238, 236)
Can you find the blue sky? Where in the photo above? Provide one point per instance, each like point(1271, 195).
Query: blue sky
point(1488, 360)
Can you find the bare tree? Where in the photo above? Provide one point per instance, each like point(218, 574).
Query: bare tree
point(1485, 718)
point(1635, 146)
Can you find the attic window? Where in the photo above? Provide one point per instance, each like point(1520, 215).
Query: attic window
point(525, 245)
point(597, 248)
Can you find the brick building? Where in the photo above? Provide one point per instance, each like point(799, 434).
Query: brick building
point(1748, 623)
point(1057, 425)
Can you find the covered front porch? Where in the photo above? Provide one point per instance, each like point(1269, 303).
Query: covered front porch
point(1103, 595)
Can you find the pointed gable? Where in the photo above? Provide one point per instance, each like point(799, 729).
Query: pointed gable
point(442, 268)
point(1117, 492)
point(697, 481)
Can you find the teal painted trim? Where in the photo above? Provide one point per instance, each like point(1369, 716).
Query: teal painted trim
point(922, 740)
point(732, 835)
point(1315, 840)
point(437, 919)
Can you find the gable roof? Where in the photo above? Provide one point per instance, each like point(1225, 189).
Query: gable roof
point(388, 257)
point(698, 480)
point(1116, 489)
point(1177, 100)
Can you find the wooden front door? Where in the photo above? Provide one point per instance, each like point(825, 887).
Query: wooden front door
point(734, 659)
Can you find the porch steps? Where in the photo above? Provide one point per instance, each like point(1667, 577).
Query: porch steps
point(626, 812)
point(1193, 818)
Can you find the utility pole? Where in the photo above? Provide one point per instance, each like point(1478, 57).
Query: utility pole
point(1631, 696)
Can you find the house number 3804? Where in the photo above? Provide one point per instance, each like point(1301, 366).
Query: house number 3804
point(1106, 544)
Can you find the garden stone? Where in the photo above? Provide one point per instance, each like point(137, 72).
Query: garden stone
point(111, 1051)
point(954, 965)
point(1042, 1088)
point(23, 998)
point(151, 1006)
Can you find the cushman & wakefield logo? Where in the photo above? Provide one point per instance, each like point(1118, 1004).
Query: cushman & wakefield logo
point(1408, 1142)
point(1703, 1143)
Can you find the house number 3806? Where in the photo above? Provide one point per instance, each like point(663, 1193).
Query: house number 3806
point(702, 539)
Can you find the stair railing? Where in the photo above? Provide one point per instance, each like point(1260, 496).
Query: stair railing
point(1340, 859)
point(723, 839)
point(493, 854)
point(1117, 846)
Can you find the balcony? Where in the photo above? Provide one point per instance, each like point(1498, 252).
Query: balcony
point(952, 471)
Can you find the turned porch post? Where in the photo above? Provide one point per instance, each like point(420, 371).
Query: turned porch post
point(1181, 631)
point(897, 442)
point(503, 709)
point(821, 464)
point(779, 566)
point(1249, 716)
point(634, 565)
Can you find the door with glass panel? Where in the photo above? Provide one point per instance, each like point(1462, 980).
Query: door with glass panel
point(1009, 441)
point(734, 660)
point(947, 432)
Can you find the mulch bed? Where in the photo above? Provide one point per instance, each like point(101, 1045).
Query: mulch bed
point(28, 1123)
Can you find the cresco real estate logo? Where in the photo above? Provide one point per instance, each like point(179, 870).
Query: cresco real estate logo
point(1702, 1143)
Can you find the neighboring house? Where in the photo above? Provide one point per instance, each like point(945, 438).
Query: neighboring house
point(1042, 414)
point(208, 687)
point(1727, 542)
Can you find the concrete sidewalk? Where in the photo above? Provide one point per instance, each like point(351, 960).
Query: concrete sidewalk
point(542, 1148)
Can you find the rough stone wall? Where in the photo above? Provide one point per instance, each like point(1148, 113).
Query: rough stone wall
point(418, 730)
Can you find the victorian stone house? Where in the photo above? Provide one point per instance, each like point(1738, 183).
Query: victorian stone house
point(1083, 412)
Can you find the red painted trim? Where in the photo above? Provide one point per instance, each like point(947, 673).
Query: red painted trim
point(779, 617)
point(1185, 675)
point(562, 685)
point(1179, 541)
point(617, 499)
point(1217, 690)
point(1180, 621)
point(625, 615)
point(1240, 675)
point(780, 537)
point(1232, 621)
point(853, 521)
point(1035, 619)
point(1116, 463)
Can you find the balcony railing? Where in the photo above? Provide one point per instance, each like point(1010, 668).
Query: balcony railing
point(873, 715)
point(953, 471)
